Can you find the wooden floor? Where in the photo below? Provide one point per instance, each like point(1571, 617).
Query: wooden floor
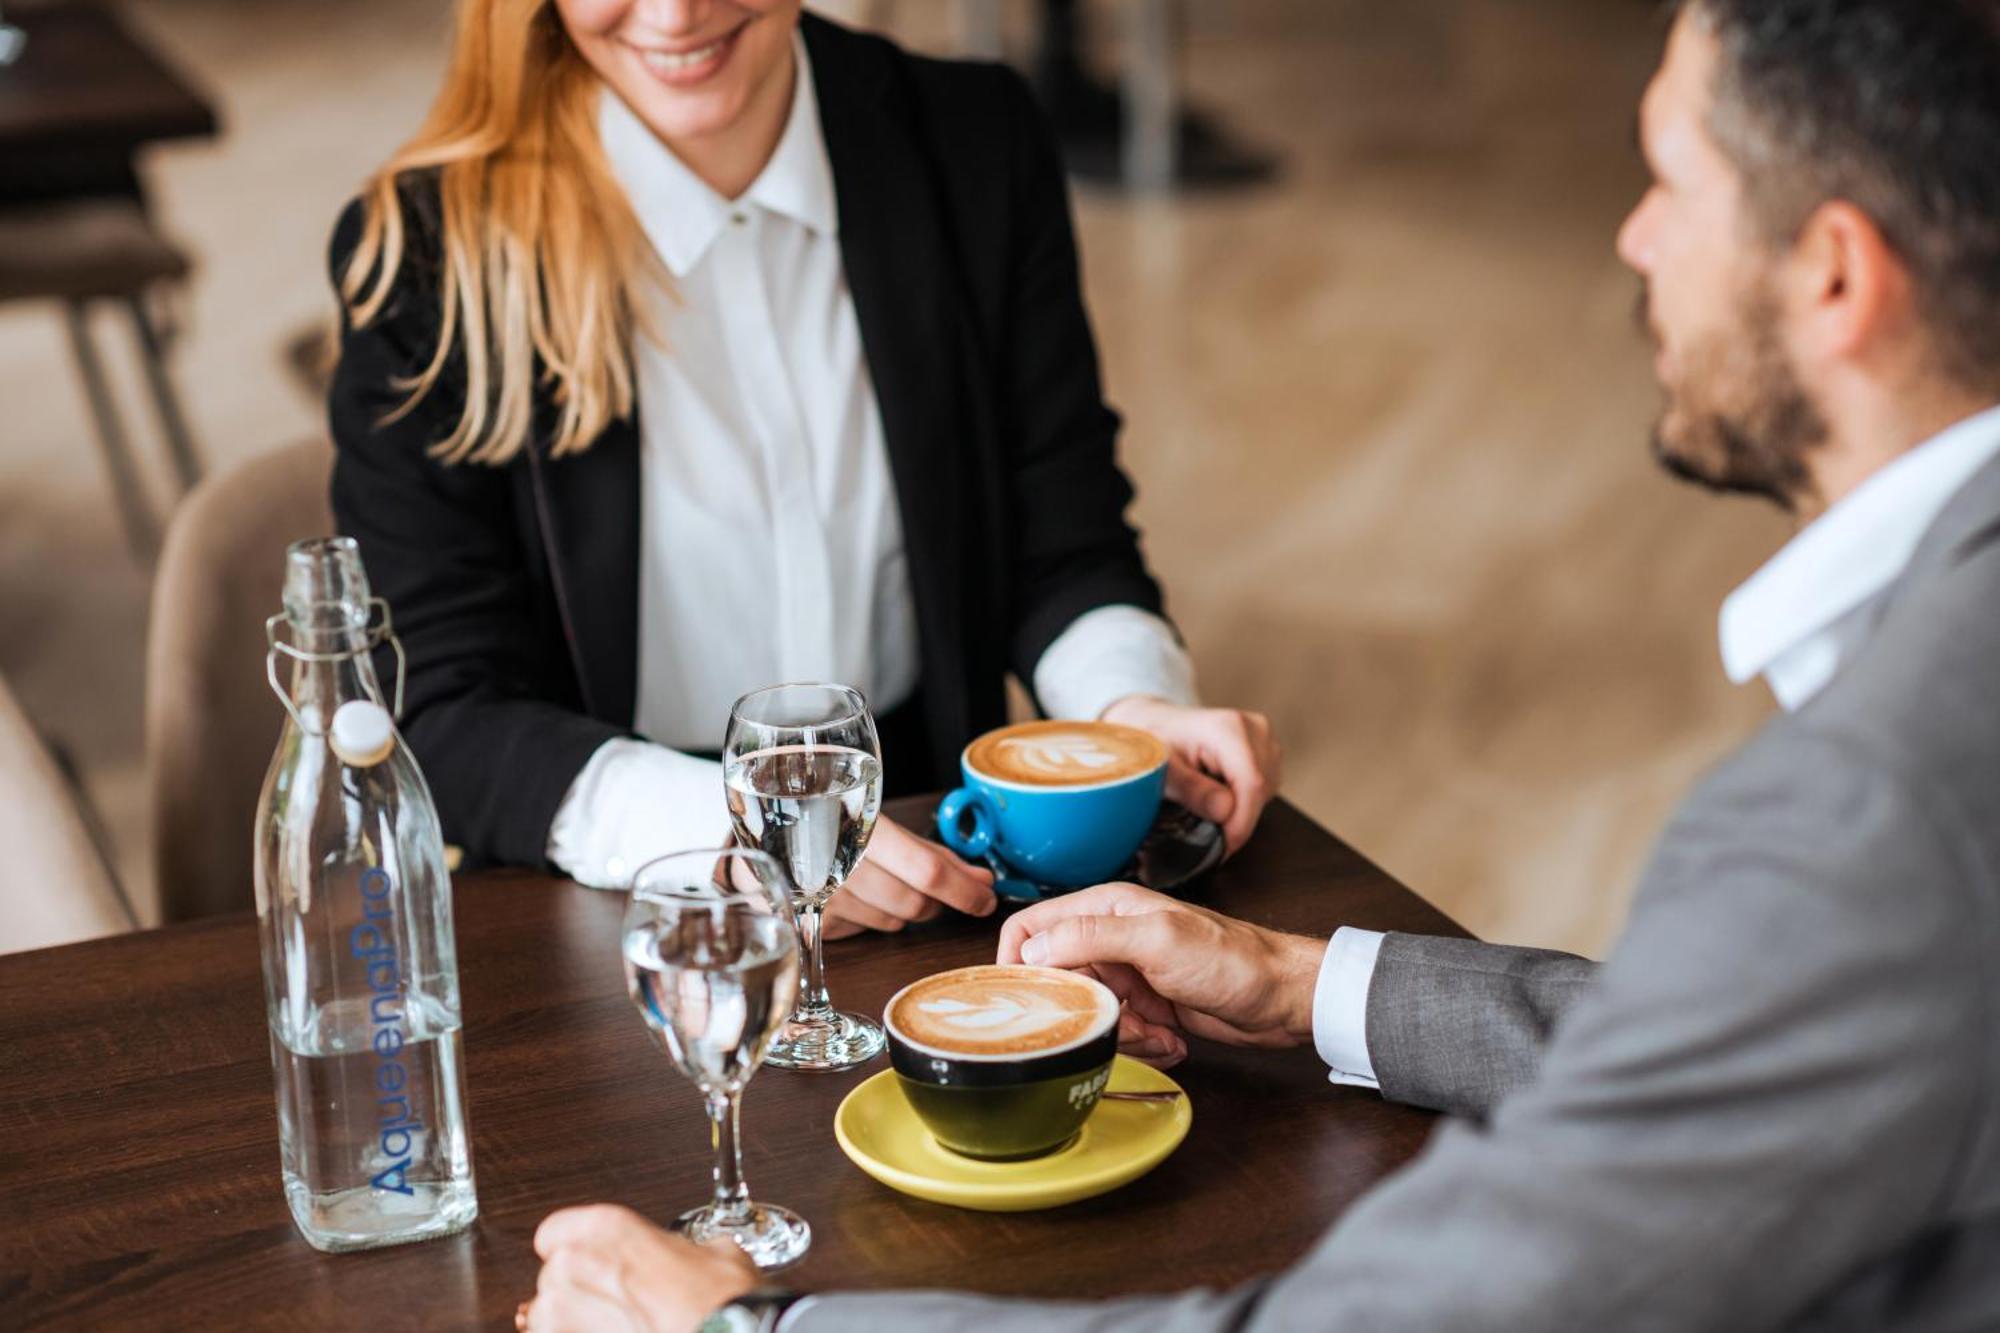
point(1387, 417)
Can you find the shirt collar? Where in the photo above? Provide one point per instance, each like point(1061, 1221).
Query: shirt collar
point(1782, 623)
point(680, 214)
point(798, 180)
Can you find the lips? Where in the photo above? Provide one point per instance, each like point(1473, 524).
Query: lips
point(681, 68)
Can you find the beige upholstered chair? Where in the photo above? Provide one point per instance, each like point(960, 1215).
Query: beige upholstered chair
point(211, 721)
point(57, 888)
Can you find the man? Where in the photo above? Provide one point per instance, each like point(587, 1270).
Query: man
point(1774, 1106)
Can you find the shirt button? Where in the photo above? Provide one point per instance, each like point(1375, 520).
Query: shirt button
point(739, 218)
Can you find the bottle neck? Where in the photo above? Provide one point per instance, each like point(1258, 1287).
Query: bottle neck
point(326, 618)
point(344, 672)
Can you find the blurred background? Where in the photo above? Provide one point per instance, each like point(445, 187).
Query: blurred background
point(1386, 407)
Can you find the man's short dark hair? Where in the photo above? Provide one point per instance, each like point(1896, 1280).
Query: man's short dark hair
point(1892, 106)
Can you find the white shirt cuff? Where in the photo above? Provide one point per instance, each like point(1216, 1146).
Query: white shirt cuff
point(1111, 653)
point(632, 802)
point(1340, 1006)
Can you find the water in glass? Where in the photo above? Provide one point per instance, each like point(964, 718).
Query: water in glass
point(811, 806)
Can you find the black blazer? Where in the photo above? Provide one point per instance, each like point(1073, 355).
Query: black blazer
point(515, 588)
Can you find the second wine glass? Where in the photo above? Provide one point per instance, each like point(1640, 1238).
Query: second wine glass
point(803, 770)
point(711, 961)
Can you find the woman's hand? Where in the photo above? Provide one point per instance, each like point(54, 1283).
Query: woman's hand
point(605, 1269)
point(905, 878)
point(1222, 762)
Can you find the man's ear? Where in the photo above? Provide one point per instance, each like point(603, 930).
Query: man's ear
point(1847, 290)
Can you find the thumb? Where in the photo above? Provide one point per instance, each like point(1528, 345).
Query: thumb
point(1198, 791)
point(1079, 941)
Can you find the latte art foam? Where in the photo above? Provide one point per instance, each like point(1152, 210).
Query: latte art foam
point(998, 1010)
point(1065, 754)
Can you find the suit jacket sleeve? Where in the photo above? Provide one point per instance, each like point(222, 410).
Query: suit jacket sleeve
point(1774, 1082)
point(1074, 549)
point(1455, 1025)
point(440, 544)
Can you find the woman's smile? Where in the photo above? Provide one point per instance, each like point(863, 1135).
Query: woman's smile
point(690, 67)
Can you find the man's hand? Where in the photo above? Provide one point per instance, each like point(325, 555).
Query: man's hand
point(605, 1269)
point(1221, 762)
point(905, 878)
point(1180, 970)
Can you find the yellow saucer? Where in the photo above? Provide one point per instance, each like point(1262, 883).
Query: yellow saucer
point(1119, 1143)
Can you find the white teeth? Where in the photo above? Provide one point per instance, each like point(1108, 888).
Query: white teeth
point(671, 62)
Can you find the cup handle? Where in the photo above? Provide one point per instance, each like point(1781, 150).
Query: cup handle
point(951, 812)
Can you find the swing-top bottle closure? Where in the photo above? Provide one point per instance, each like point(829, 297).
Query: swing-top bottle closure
point(328, 607)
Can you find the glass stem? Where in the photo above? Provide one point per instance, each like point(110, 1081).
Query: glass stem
point(813, 1002)
point(732, 1199)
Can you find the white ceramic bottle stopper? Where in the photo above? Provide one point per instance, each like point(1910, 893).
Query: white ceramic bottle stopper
point(362, 734)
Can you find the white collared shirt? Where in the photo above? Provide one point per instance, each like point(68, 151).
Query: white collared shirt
point(771, 547)
point(1794, 622)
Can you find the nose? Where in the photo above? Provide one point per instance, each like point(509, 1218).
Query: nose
point(1635, 238)
point(673, 15)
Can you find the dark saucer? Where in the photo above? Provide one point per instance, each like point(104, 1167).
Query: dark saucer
point(1181, 847)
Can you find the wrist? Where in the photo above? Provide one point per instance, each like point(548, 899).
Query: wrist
point(1134, 710)
point(1298, 959)
point(753, 1310)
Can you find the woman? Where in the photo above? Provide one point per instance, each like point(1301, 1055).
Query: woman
point(693, 345)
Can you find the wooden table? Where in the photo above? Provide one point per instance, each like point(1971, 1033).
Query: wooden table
point(85, 95)
point(139, 1149)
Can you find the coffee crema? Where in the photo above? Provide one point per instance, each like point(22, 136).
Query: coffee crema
point(1065, 754)
point(996, 1010)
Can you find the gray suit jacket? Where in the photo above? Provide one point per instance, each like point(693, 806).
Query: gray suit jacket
point(1777, 1105)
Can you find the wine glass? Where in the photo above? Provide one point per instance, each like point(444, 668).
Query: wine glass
point(712, 962)
point(803, 771)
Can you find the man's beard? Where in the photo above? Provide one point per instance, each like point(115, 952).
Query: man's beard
point(1739, 422)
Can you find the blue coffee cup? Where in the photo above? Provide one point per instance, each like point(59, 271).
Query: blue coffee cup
point(1058, 823)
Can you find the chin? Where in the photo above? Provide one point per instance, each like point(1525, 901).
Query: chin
point(689, 115)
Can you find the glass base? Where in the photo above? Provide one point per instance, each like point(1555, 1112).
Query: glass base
point(826, 1043)
point(773, 1237)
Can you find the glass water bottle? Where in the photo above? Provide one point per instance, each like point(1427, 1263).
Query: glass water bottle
point(354, 906)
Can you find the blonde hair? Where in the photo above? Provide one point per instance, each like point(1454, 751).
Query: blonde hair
point(540, 253)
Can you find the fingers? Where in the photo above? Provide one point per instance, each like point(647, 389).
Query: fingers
point(591, 1222)
point(726, 1255)
point(1136, 993)
point(877, 899)
point(562, 1309)
point(1198, 791)
point(904, 879)
point(1148, 1042)
point(1224, 763)
point(1243, 751)
point(1016, 930)
point(931, 871)
point(605, 1267)
point(848, 915)
point(1146, 942)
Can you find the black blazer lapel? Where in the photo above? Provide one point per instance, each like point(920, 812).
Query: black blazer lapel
point(893, 247)
point(587, 511)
